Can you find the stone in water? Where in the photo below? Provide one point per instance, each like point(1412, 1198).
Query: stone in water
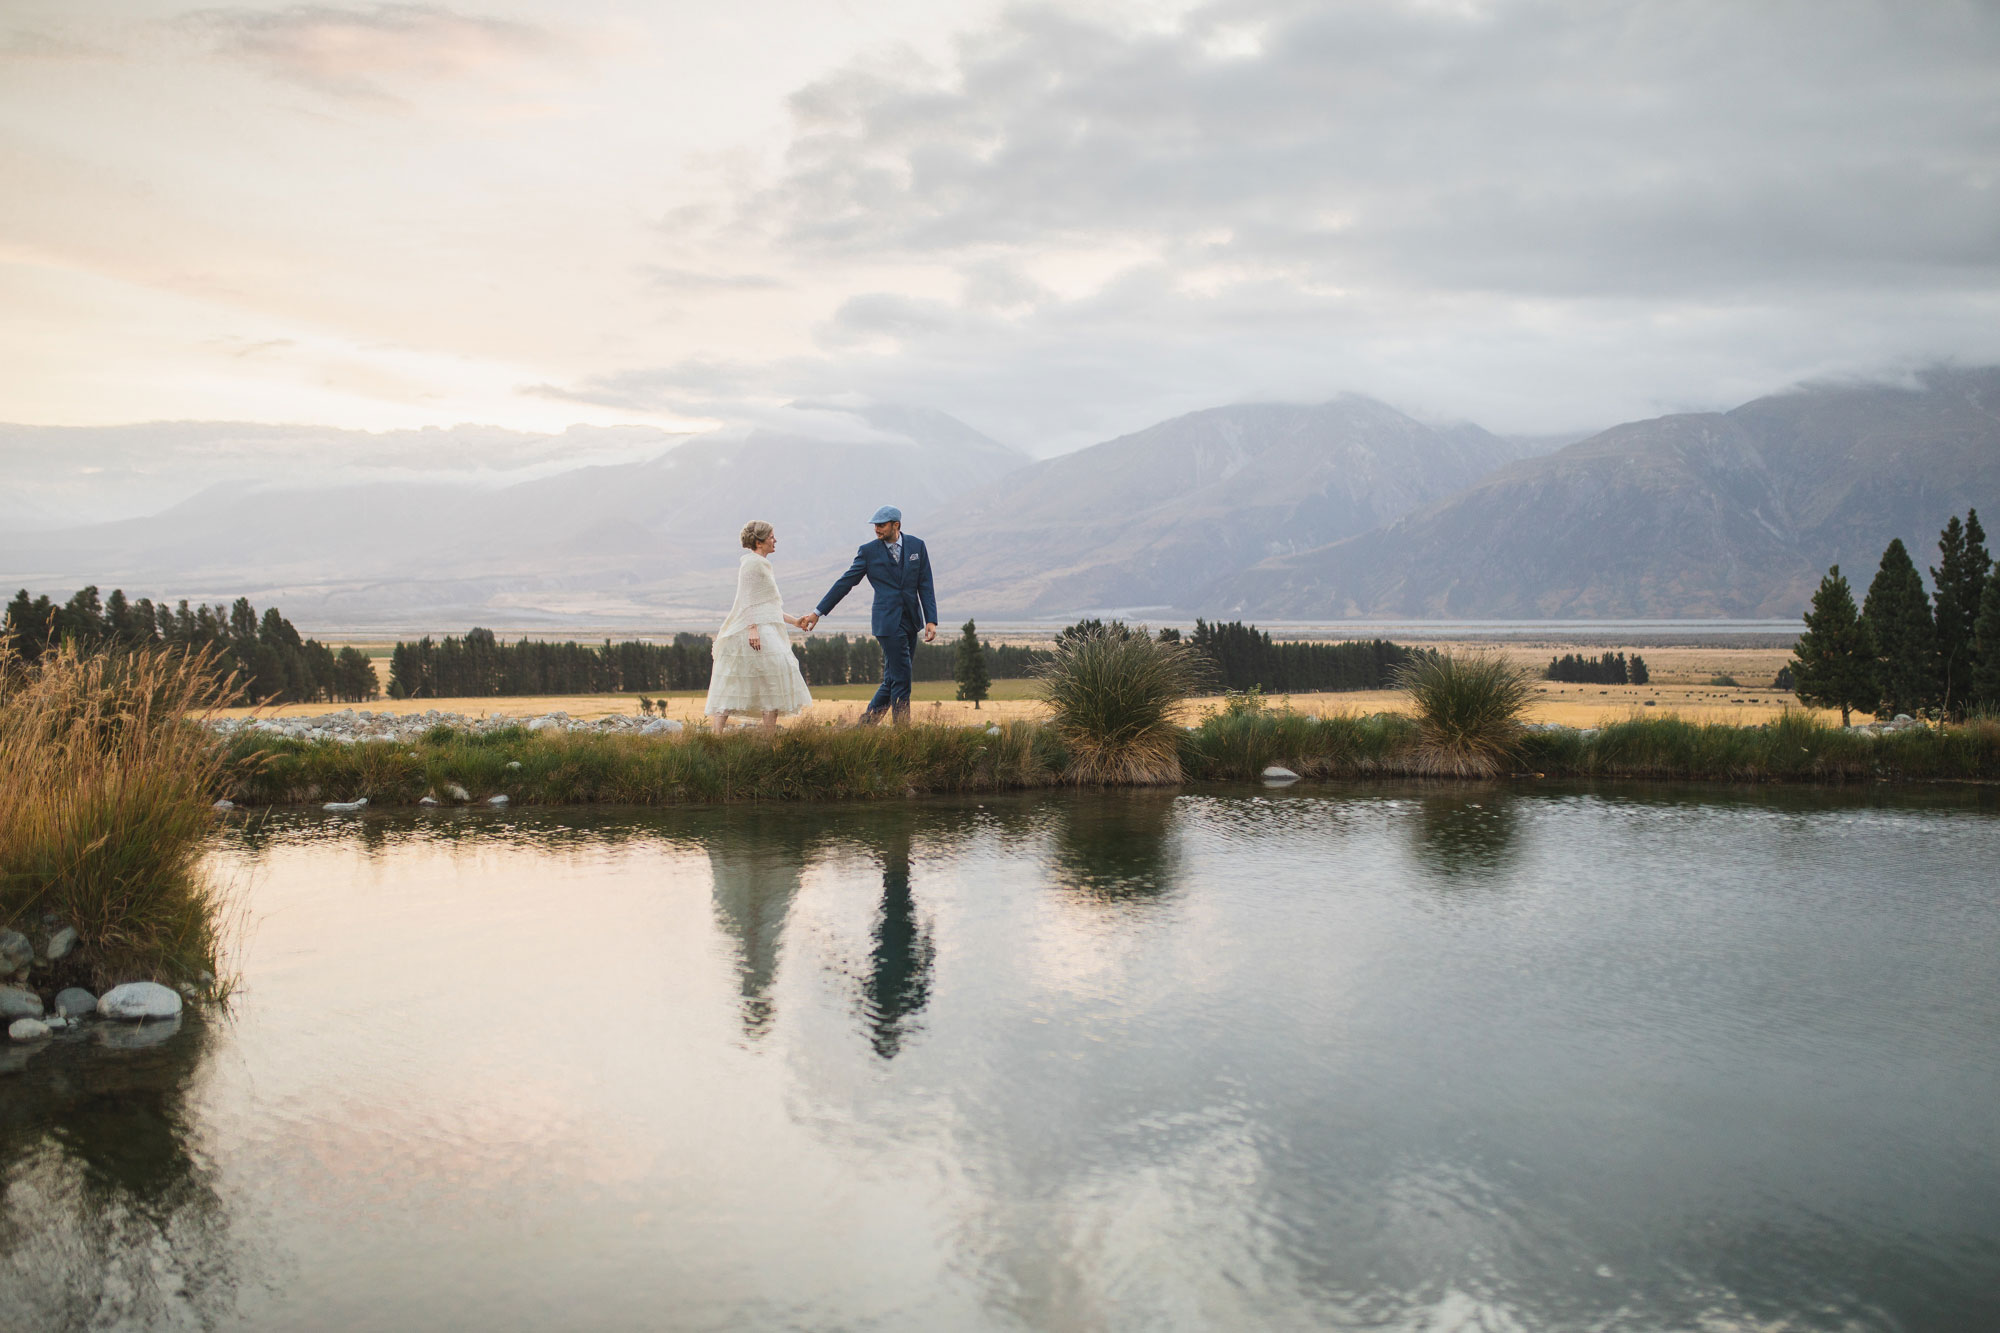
point(27, 1029)
point(75, 1002)
point(496, 801)
point(1276, 775)
point(139, 1000)
point(17, 1003)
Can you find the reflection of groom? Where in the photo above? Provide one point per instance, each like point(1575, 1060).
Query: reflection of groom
point(905, 599)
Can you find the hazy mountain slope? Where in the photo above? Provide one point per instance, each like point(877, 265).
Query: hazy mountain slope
point(621, 541)
point(1711, 514)
point(1146, 519)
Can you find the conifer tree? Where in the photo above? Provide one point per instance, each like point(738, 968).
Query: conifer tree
point(973, 683)
point(1986, 644)
point(1898, 617)
point(1958, 579)
point(1833, 663)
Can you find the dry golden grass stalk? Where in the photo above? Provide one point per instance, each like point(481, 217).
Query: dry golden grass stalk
point(106, 777)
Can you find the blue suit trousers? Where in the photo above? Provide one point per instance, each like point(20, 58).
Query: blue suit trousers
point(899, 661)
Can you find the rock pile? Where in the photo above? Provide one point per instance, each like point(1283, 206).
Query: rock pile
point(137, 1013)
point(350, 725)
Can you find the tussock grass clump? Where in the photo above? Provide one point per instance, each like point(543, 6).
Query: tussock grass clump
point(106, 777)
point(1469, 713)
point(1113, 695)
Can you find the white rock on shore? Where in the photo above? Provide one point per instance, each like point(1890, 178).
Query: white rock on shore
point(349, 725)
point(139, 1000)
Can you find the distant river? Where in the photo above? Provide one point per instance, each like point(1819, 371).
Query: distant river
point(1354, 1058)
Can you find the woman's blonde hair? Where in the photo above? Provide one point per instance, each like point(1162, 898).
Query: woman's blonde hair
point(755, 531)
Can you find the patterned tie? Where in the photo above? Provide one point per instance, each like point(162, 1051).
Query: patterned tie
point(896, 553)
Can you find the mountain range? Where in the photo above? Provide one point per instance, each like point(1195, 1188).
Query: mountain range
point(1343, 509)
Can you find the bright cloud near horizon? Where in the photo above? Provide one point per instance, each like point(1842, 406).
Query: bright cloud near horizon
point(1057, 222)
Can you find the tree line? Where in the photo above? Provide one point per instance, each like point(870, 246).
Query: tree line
point(1576, 669)
point(271, 660)
point(1905, 651)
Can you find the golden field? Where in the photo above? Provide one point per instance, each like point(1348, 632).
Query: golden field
point(1680, 684)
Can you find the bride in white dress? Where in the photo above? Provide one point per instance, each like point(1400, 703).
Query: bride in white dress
point(755, 671)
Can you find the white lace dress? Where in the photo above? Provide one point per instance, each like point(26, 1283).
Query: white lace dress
point(756, 680)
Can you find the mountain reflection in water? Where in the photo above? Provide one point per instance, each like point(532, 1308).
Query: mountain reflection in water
point(1387, 1057)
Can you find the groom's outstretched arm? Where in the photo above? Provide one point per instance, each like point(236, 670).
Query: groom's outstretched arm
point(845, 583)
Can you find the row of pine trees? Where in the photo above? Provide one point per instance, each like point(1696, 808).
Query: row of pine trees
point(271, 661)
point(1902, 650)
point(1576, 669)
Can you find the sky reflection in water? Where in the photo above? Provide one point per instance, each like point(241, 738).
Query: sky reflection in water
point(1420, 1057)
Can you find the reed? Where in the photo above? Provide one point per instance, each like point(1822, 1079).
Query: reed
point(107, 772)
point(1469, 713)
point(1113, 698)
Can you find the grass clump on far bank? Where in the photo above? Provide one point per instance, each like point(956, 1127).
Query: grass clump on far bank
point(106, 777)
point(1469, 713)
point(1113, 695)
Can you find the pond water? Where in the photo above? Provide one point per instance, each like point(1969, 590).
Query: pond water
point(1473, 1058)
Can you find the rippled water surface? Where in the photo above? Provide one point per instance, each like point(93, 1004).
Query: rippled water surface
point(1478, 1059)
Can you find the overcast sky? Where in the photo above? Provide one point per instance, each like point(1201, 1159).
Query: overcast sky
point(1056, 222)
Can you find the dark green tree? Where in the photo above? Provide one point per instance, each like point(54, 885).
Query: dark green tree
point(1898, 616)
point(1958, 580)
point(1986, 644)
point(973, 682)
point(1833, 663)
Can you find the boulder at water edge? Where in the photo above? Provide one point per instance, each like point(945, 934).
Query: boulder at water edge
point(138, 1000)
point(27, 1029)
point(75, 1002)
point(1276, 775)
point(17, 1003)
point(15, 951)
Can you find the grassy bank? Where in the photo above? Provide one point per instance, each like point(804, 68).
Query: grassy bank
point(106, 775)
point(1796, 748)
point(834, 763)
point(554, 768)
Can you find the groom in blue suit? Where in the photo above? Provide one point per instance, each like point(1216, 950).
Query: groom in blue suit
point(899, 567)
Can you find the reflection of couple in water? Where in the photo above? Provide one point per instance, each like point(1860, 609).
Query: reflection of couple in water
point(757, 864)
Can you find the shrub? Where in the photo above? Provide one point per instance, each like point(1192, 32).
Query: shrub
point(106, 775)
point(1468, 713)
point(1113, 698)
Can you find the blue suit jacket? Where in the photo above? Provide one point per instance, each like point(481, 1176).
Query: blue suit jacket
point(897, 587)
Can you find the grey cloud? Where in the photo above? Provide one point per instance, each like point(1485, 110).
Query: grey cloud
point(1542, 216)
point(364, 53)
point(1530, 147)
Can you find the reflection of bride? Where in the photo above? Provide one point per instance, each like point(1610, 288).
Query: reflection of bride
point(755, 879)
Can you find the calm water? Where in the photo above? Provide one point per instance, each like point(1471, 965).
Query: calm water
point(1479, 1059)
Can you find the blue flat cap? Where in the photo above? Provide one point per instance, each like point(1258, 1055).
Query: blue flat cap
point(887, 514)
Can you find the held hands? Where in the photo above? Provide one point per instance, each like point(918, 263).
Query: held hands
point(807, 621)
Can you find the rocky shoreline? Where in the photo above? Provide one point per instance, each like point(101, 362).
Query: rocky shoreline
point(129, 1015)
point(351, 726)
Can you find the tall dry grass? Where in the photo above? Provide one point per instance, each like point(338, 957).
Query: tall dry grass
point(1113, 698)
point(106, 778)
point(1470, 708)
